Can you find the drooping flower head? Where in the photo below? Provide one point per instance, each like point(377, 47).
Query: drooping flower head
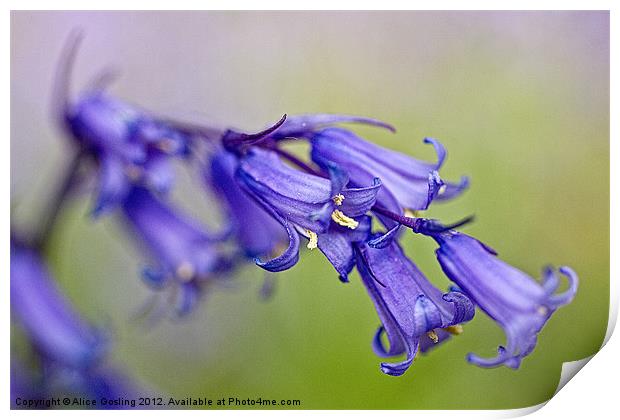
point(329, 214)
point(409, 184)
point(129, 145)
point(411, 309)
point(519, 304)
point(71, 352)
point(184, 255)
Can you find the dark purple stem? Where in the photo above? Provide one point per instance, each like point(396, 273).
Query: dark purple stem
point(57, 203)
point(421, 224)
point(403, 220)
point(296, 161)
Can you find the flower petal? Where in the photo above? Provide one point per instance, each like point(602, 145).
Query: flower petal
point(113, 184)
point(288, 258)
point(337, 246)
point(408, 305)
point(234, 140)
point(519, 304)
point(304, 125)
point(407, 179)
point(256, 231)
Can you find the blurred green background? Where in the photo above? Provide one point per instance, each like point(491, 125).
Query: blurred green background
point(520, 99)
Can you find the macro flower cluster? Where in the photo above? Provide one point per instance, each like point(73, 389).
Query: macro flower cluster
point(348, 198)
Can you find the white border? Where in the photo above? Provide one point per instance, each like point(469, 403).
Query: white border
point(593, 394)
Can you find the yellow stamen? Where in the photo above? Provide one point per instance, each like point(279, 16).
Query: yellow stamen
point(338, 199)
point(454, 329)
point(412, 213)
point(433, 336)
point(344, 220)
point(133, 172)
point(442, 189)
point(185, 271)
point(313, 239)
point(166, 145)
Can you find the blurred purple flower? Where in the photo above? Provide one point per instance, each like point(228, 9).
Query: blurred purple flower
point(71, 353)
point(56, 330)
point(184, 254)
point(129, 146)
point(411, 309)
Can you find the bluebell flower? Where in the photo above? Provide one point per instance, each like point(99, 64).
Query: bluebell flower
point(184, 254)
point(408, 183)
point(70, 351)
point(330, 215)
point(49, 320)
point(519, 304)
point(411, 309)
point(255, 231)
point(129, 146)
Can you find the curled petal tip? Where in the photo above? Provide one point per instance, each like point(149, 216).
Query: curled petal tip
point(488, 363)
point(439, 149)
point(452, 190)
point(385, 239)
point(389, 370)
point(233, 140)
point(287, 259)
point(567, 296)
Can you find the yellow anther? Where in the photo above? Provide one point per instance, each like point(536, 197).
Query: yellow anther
point(185, 271)
point(344, 220)
point(133, 172)
point(338, 199)
point(313, 239)
point(412, 213)
point(442, 189)
point(166, 145)
point(454, 329)
point(433, 336)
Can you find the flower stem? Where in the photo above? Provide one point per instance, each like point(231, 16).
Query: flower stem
point(57, 202)
point(296, 161)
point(403, 220)
point(420, 224)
